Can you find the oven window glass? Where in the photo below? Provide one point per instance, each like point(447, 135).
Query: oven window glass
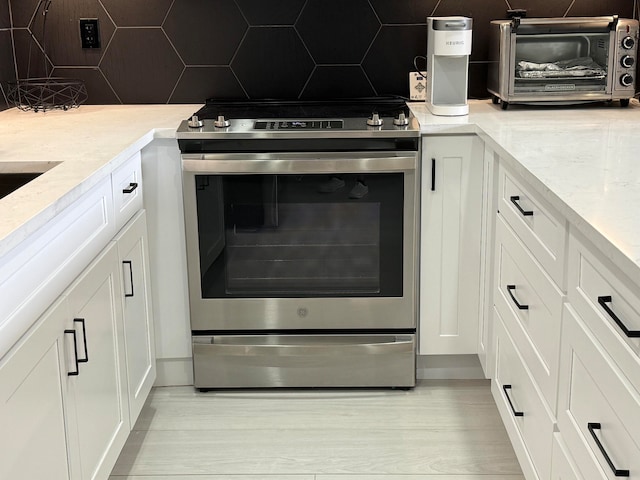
point(561, 63)
point(300, 235)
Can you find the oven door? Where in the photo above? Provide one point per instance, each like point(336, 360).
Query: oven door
point(289, 241)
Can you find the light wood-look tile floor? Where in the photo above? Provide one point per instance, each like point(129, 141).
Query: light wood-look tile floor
point(441, 430)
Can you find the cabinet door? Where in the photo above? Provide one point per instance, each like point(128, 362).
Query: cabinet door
point(451, 225)
point(138, 324)
point(98, 416)
point(33, 443)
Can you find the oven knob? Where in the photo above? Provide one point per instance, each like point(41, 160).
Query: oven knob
point(626, 80)
point(221, 122)
point(627, 61)
point(375, 120)
point(628, 43)
point(195, 122)
point(401, 120)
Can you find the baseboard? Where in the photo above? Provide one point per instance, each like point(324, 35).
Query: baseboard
point(446, 367)
point(174, 372)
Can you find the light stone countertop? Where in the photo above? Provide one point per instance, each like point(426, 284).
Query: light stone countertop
point(584, 160)
point(88, 142)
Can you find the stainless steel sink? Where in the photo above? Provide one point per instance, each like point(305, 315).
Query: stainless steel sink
point(14, 175)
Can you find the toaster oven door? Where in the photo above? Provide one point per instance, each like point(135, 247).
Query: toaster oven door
point(564, 64)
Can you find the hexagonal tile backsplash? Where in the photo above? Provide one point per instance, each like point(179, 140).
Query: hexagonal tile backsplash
point(184, 51)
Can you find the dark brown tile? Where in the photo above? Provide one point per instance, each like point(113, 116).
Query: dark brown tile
point(390, 58)
point(542, 8)
point(341, 42)
point(147, 13)
point(3, 99)
point(584, 8)
point(477, 86)
point(61, 40)
point(199, 83)
point(205, 32)
point(272, 62)
point(403, 11)
point(5, 18)
point(141, 65)
point(482, 12)
point(7, 66)
point(340, 81)
point(98, 89)
point(22, 12)
point(30, 60)
point(282, 12)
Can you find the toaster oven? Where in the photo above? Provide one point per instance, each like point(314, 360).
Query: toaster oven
point(562, 60)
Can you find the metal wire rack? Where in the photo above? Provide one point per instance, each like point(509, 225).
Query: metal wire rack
point(41, 94)
point(48, 92)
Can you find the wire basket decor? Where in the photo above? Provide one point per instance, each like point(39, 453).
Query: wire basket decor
point(48, 92)
point(42, 94)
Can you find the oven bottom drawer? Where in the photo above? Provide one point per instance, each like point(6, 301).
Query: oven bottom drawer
point(323, 360)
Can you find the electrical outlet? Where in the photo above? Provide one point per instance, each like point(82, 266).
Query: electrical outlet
point(89, 33)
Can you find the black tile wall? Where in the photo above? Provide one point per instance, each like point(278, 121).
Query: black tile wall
point(183, 51)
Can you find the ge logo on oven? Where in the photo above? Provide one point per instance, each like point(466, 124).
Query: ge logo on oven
point(303, 312)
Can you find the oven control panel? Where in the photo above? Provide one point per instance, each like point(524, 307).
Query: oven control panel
point(298, 124)
point(626, 57)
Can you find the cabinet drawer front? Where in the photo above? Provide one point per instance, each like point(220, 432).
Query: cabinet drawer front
point(520, 402)
point(539, 226)
point(531, 306)
point(594, 392)
point(562, 465)
point(600, 296)
point(127, 189)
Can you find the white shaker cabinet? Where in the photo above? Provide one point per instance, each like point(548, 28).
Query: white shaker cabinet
point(133, 253)
point(450, 244)
point(33, 442)
point(97, 410)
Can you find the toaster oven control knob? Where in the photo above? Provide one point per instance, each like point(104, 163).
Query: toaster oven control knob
point(401, 120)
point(374, 120)
point(628, 43)
point(627, 61)
point(221, 122)
point(194, 122)
point(626, 80)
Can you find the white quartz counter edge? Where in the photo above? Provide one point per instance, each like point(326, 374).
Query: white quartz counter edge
point(87, 144)
point(580, 182)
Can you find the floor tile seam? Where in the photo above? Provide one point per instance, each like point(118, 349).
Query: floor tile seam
point(461, 428)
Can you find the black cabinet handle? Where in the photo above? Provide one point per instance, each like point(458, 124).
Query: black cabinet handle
point(617, 472)
point(514, 199)
point(515, 413)
point(132, 186)
point(84, 340)
point(603, 303)
point(128, 262)
point(75, 352)
point(433, 174)
point(510, 289)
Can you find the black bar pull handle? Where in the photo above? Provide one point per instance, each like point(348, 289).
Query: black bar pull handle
point(128, 262)
point(433, 174)
point(84, 339)
point(506, 394)
point(617, 472)
point(603, 303)
point(75, 352)
point(514, 199)
point(132, 186)
point(510, 289)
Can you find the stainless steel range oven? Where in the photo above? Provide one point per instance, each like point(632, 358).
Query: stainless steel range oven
point(301, 243)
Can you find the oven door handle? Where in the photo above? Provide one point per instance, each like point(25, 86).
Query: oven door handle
point(297, 163)
point(207, 344)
